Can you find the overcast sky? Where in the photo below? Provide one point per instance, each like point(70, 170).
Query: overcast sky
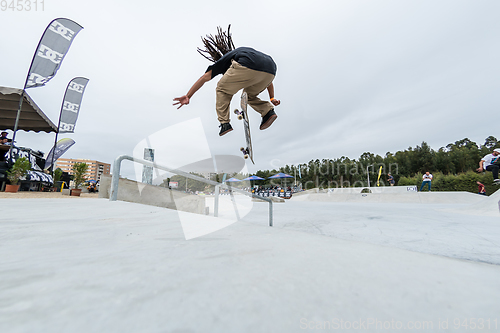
point(353, 76)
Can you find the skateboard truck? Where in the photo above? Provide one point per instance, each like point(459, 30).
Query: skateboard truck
point(239, 113)
point(245, 152)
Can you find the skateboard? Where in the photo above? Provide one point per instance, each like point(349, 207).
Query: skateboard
point(243, 115)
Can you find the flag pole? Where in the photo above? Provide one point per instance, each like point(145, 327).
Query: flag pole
point(16, 124)
point(18, 116)
point(54, 147)
point(57, 133)
point(41, 78)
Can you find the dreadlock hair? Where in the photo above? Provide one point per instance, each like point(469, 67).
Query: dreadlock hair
point(218, 45)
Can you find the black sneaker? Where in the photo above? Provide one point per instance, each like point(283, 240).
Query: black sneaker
point(225, 128)
point(268, 119)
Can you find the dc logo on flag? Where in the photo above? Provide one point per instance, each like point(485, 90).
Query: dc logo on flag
point(76, 87)
point(61, 30)
point(71, 107)
point(66, 127)
point(36, 79)
point(47, 53)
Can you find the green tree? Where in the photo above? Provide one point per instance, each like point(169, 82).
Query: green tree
point(57, 175)
point(18, 170)
point(79, 170)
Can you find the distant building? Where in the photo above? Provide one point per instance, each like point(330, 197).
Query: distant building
point(94, 171)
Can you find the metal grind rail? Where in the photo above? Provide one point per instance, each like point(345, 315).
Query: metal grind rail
point(116, 177)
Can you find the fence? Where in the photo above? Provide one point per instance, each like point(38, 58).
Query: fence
point(274, 193)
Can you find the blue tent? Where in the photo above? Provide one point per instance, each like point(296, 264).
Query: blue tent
point(280, 175)
point(231, 180)
point(253, 178)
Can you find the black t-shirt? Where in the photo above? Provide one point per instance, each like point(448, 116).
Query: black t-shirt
point(246, 57)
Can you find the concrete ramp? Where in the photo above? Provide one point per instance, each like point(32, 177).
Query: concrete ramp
point(409, 197)
point(487, 206)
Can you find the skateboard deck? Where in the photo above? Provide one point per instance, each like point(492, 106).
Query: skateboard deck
point(243, 115)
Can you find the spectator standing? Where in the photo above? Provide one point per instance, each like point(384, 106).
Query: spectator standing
point(426, 179)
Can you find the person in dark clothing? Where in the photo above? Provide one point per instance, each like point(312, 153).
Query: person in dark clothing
point(241, 68)
point(390, 179)
point(491, 162)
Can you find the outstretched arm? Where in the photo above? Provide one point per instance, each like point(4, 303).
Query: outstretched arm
point(184, 100)
point(481, 168)
point(270, 90)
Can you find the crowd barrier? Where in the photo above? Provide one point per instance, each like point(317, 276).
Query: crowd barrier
point(274, 193)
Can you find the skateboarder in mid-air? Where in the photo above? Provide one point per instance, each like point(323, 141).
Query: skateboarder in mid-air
point(242, 68)
point(491, 162)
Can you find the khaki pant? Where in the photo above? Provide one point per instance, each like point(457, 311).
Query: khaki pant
point(239, 77)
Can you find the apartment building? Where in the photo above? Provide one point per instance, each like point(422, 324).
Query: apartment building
point(94, 171)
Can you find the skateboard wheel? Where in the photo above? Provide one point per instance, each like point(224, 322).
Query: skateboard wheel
point(246, 156)
point(242, 149)
point(240, 117)
point(236, 111)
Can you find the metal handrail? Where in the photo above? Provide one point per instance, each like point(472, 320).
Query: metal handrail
point(116, 177)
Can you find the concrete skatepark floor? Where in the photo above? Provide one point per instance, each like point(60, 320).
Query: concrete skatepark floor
point(434, 229)
point(100, 266)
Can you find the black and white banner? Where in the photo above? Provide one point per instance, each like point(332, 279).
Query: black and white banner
point(51, 51)
point(38, 176)
point(35, 157)
point(71, 104)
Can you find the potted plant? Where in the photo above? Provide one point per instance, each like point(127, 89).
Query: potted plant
point(19, 170)
point(57, 178)
point(79, 170)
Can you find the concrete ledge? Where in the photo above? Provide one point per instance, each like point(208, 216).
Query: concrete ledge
point(373, 189)
point(410, 197)
point(132, 191)
point(273, 199)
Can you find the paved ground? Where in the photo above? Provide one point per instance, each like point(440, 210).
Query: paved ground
point(441, 229)
point(90, 265)
point(40, 195)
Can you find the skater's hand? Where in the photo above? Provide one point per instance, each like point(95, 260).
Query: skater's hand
point(275, 102)
point(183, 100)
point(480, 169)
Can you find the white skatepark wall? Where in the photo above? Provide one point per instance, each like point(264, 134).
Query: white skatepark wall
point(385, 195)
point(375, 189)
